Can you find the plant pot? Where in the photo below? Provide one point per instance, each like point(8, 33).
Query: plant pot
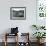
point(40, 40)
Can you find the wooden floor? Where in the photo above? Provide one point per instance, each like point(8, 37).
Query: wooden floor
point(13, 44)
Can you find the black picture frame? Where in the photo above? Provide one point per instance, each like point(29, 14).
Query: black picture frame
point(18, 13)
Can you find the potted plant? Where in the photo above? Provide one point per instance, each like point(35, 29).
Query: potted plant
point(39, 35)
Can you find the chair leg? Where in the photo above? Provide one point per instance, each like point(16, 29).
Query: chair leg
point(5, 40)
point(5, 43)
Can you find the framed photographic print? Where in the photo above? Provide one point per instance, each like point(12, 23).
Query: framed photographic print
point(41, 12)
point(18, 13)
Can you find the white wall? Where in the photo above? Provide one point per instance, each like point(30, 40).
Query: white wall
point(24, 25)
